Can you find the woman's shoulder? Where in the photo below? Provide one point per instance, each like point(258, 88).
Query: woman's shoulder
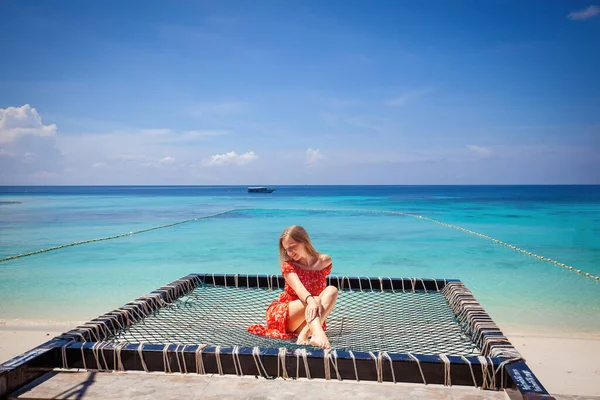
point(287, 266)
point(324, 259)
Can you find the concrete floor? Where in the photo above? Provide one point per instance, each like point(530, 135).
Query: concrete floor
point(157, 385)
point(132, 385)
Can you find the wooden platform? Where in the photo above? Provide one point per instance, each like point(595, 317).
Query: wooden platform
point(131, 385)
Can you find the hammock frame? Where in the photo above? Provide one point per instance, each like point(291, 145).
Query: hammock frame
point(500, 367)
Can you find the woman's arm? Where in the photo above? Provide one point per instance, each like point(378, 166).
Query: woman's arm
point(312, 303)
point(294, 281)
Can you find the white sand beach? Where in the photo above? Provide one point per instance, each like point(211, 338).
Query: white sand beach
point(566, 365)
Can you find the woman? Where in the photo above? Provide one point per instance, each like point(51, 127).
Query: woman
point(306, 300)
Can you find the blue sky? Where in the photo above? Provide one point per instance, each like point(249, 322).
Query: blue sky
point(299, 92)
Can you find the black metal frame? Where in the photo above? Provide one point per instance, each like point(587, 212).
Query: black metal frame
point(520, 382)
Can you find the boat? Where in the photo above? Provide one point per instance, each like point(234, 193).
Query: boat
point(260, 189)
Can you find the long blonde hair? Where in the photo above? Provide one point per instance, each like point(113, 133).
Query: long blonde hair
point(298, 234)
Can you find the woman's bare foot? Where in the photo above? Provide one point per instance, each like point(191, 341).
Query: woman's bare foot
point(320, 340)
point(303, 336)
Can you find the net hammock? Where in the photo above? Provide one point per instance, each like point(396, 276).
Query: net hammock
point(370, 321)
point(382, 329)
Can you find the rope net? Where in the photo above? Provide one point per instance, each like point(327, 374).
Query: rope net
point(413, 322)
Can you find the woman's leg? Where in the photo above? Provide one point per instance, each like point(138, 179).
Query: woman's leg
point(303, 332)
point(328, 298)
point(297, 322)
point(327, 301)
point(296, 317)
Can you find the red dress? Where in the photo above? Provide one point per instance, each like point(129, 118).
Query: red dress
point(278, 312)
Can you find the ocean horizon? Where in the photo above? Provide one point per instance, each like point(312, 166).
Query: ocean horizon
point(368, 230)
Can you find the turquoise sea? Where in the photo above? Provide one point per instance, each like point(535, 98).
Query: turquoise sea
point(521, 293)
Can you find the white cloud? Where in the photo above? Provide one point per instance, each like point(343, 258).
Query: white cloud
point(98, 165)
point(232, 158)
point(156, 132)
point(44, 176)
point(4, 152)
point(385, 156)
point(129, 157)
point(200, 134)
point(313, 156)
point(407, 97)
point(177, 136)
point(24, 120)
point(167, 160)
point(28, 157)
point(587, 13)
point(136, 146)
point(484, 151)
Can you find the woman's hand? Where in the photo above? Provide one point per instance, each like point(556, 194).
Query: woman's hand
point(313, 309)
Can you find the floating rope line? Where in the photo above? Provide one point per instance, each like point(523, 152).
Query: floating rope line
point(542, 258)
point(515, 248)
point(112, 237)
